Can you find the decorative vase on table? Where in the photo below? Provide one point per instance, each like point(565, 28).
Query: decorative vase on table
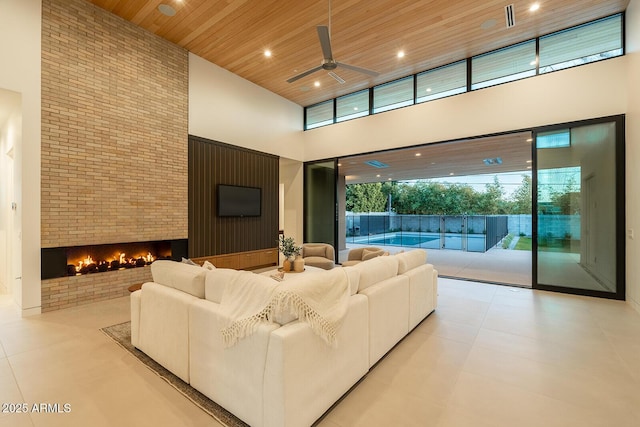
point(298, 264)
point(287, 246)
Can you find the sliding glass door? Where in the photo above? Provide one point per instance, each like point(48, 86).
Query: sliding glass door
point(580, 208)
point(320, 202)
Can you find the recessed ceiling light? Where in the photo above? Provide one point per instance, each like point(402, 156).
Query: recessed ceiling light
point(418, 154)
point(428, 89)
point(378, 176)
point(534, 7)
point(528, 161)
point(355, 108)
point(401, 54)
point(339, 164)
point(316, 84)
point(534, 62)
point(528, 167)
point(267, 53)
point(529, 140)
point(388, 179)
point(167, 10)
point(451, 174)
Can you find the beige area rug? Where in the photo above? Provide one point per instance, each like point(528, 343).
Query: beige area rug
point(121, 334)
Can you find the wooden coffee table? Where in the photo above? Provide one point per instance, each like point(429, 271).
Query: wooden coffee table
point(135, 287)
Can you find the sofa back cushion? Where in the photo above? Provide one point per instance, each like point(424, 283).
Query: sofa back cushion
point(184, 277)
point(411, 259)
point(376, 270)
point(215, 283)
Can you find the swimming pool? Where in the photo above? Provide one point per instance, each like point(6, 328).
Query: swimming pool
point(401, 240)
point(454, 241)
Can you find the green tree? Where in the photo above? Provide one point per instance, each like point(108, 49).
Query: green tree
point(366, 198)
point(568, 200)
point(521, 200)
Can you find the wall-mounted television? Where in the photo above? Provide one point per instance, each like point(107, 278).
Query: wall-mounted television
point(234, 200)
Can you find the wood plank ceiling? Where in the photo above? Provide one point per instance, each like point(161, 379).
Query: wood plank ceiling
point(460, 158)
point(234, 34)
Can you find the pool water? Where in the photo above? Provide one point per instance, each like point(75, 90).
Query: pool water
point(402, 240)
point(474, 242)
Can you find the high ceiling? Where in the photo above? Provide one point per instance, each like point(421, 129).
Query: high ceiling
point(234, 34)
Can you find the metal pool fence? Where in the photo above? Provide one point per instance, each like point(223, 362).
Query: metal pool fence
point(471, 233)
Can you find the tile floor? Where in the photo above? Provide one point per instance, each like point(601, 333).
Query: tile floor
point(488, 356)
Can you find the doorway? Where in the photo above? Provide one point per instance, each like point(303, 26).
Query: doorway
point(579, 245)
point(467, 202)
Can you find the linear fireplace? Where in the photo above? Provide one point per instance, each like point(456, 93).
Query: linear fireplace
point(90, 259)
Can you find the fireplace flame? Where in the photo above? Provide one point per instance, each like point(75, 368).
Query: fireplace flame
point(85, 262)
point(111, 260)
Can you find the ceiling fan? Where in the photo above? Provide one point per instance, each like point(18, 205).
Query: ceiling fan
point(328, 63)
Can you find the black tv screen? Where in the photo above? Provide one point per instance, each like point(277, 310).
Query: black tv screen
point(235, 200)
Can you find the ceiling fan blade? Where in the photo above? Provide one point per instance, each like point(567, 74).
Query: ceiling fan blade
point(358, 69)
point(325, 41)
point(304, 74)
point(337, 77)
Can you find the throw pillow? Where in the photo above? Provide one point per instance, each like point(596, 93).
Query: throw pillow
point(189, 262)
point(208, 265)
point(369, 254)
point(314, 251)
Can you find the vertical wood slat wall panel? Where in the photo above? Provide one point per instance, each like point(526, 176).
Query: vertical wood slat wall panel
point(212, 163)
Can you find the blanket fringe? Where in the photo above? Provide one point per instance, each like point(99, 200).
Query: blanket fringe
point(245, 327)
point(292, 302)
point(286, 301)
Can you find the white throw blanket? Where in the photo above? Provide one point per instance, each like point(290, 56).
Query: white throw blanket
point(317, 298)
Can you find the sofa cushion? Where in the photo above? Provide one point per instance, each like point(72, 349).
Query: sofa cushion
point(215, 282)
point(320, 262)
point(314, 251)
point(184, 277)
point(376, 270)
point(368, 254)
point(411, 259)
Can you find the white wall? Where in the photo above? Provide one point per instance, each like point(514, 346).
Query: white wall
point(580, 93)
point(10, 137)
point(633, 152)
point(227, 108)
point(20, 29)
point(291, 175)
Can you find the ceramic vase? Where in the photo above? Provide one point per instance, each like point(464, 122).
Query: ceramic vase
point(298, 264)
point(286, 265)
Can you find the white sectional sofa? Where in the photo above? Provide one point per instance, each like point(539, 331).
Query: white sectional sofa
point(283, 374)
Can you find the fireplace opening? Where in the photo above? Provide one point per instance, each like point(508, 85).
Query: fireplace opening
point(89, 259)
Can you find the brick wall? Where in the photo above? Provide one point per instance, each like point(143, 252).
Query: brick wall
point(114, 141)
point(114, 129)
point(71, 291)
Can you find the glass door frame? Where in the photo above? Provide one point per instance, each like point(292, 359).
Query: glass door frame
point(306, 224)
point(620, 214)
